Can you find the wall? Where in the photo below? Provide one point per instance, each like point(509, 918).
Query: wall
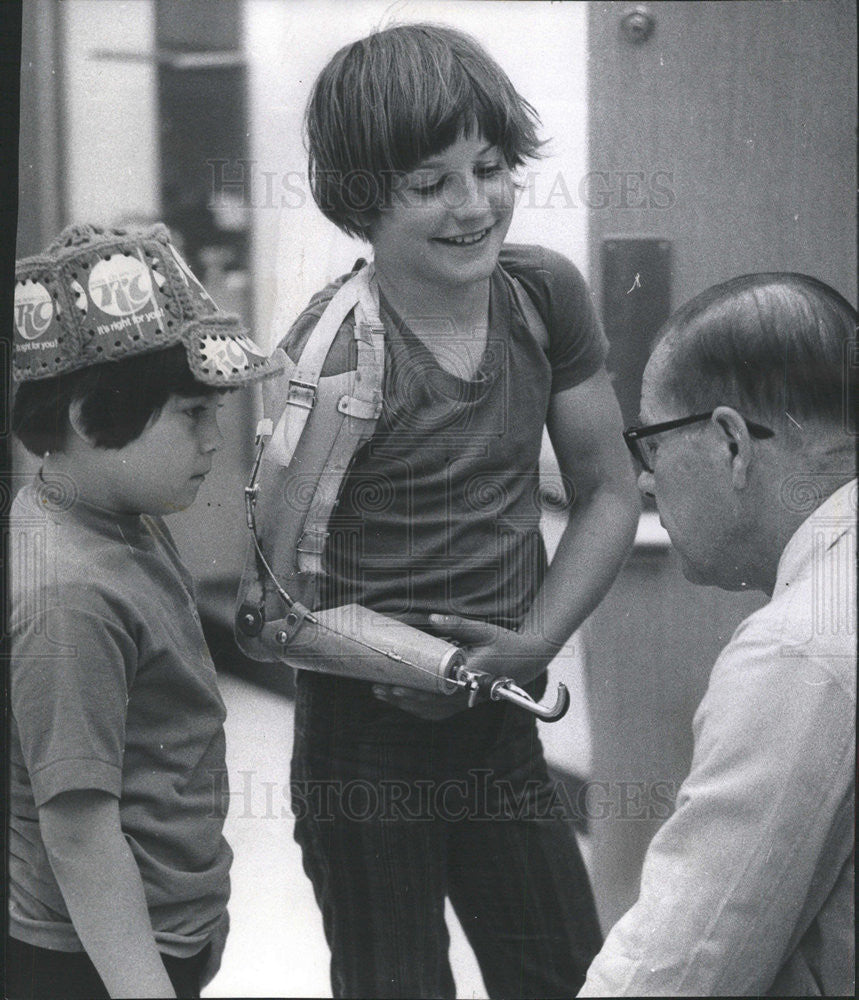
point(109, 111)
point(40, 184)
point(88, 129)
point(751, 108)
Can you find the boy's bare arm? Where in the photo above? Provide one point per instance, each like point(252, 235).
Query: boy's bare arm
point(103, 891)
point(586, 429)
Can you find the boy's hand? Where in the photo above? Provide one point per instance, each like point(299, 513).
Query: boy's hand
point(488, 648)
point(498, 651)
point(103, 891)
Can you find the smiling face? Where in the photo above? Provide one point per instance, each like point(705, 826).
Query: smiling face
point(447, 218)
point(161, 471)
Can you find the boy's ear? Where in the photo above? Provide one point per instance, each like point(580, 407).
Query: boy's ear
point(736, 438)
point(77, 423)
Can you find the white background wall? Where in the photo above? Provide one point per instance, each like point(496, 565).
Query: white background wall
point(110, 110)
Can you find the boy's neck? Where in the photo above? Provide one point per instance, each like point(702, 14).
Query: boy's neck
point(432, 309)
point(89, 486)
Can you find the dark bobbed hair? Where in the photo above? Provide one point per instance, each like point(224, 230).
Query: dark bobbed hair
point(385, 103)
point(118, 400)
point(774, 345)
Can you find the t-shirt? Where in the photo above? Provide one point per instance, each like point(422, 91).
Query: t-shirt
point(440, 511)
point(113, 688)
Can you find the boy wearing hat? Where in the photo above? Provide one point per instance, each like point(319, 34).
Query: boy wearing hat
point(119, 873)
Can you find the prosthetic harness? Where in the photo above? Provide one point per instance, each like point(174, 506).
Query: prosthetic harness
point(313, 427)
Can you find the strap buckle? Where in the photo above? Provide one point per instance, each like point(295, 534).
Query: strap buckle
point(301, 394)
point(312, 541)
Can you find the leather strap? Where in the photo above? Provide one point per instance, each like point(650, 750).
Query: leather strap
point(359, 293)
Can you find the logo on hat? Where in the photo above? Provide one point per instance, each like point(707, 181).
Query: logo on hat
point(120, 285)
point(34, 309)
point(229, 354)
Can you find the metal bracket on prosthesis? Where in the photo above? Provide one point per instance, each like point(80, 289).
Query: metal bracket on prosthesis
point(356, 642)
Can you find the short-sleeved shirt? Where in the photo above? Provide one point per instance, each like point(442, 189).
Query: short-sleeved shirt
point(440, 511)
point(113, 689)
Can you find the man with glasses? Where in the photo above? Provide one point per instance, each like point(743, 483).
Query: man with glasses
point(747, 447)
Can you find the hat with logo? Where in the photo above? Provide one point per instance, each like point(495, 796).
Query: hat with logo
point(98, 295)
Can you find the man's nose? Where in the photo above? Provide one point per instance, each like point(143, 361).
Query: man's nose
point(645, 483)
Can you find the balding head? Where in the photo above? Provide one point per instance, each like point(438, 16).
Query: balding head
point(764, 363)
point(775, 346)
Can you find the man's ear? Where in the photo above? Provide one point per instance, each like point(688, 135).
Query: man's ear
point(735, 436)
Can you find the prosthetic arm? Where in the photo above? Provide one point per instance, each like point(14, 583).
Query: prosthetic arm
point(354, 641)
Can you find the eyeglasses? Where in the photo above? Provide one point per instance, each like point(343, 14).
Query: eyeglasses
point(642, 453)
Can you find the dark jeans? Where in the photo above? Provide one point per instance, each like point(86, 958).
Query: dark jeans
point(394, 813)
point(44, 974)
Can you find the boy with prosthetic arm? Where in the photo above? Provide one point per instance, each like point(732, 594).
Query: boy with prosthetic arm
point(414, 134)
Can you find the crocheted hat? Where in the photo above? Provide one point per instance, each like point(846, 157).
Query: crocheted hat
point(98, 295)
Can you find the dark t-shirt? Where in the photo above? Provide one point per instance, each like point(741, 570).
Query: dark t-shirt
point(440, 511)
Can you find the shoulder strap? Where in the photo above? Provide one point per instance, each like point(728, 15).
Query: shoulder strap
point(359, 410)
point(533, 319)
point(321, 423)
point(359, 293)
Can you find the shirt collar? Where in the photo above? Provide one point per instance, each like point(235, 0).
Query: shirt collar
point(833, 518)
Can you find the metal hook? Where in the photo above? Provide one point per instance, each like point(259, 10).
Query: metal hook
point(504, 688)
point(482, 685)
point(264, 431)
